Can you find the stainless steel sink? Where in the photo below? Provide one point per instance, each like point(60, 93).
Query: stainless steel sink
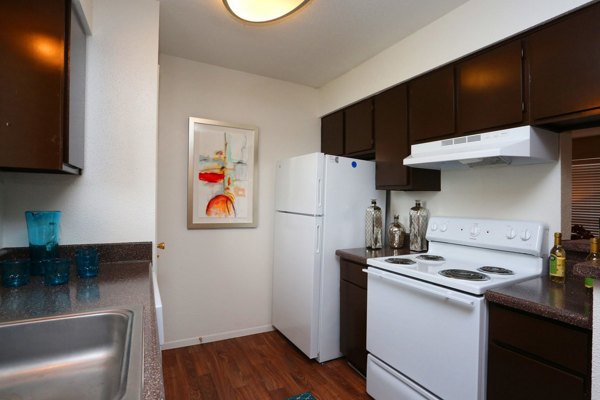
point(92, 355)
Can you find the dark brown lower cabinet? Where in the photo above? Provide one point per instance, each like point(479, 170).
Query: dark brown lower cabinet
point(353, 314)
point(532, 357)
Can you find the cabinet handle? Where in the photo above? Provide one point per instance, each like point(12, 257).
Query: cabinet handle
point(161, 245)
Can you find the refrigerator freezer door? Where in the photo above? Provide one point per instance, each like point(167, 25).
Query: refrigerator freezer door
point(296, 276)
point(299, 184)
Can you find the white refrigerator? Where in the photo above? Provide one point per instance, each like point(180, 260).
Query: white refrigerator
point(320, 203)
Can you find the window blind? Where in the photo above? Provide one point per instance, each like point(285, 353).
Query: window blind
point(586, 194)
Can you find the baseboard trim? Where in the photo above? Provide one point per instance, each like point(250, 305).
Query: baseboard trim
point(174, 344)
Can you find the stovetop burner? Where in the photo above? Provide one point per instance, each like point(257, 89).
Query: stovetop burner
point(495, 270)
point(398, 260)
point(430, 257)
point(464, 274)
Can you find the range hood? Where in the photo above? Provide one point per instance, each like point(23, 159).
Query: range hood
point(515, 146)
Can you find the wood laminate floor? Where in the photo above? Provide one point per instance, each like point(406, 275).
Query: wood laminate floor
point(263, 366)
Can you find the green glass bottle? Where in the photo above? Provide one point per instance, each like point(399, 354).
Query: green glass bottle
point(594, 257)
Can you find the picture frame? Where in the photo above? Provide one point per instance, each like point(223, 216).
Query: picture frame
point(222, 175)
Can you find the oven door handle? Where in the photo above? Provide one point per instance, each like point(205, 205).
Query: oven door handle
point(445, 294)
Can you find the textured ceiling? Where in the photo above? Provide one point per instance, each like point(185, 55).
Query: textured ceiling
point(323, 41)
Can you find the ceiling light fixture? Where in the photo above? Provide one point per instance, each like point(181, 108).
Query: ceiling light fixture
point(262, 11)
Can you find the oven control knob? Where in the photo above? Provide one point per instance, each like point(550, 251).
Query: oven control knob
point(511, 233)
point(434, 227)
point(525, 235)
point(443, 228)
point(475, 230)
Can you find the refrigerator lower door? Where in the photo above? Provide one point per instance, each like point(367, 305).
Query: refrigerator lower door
point(296, 279)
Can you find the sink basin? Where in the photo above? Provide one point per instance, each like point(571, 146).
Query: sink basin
point(91, 355)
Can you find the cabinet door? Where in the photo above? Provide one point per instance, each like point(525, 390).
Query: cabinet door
point(490, 89)
point(392, 146)
point(431, 105)
point(533, 357)
point(515, 376)
point(332, 134)
point(31, 83)
point(359, 128)
point(564, 64)
point(74, 140)
point(353, 325)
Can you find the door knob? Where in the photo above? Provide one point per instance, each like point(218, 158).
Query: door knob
point(161, 245)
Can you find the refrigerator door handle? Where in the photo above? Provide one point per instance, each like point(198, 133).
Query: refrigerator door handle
point(319, 194)
point(318, 244)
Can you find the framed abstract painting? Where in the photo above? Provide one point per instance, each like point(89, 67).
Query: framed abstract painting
point(222, 175)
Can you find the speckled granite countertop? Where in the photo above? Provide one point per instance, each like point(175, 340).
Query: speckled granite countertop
point(118, 284)
point(360, 255)
point(587, 269)
point(570, 302)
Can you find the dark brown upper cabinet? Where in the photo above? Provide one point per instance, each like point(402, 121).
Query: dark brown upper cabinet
point(42, 87)
point(358, 125)
point(490, 89)
point(565, 69)
point(431, 105)
point(392, 145)
point(332, 133)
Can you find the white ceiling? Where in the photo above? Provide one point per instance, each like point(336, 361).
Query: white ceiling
point(323, 41)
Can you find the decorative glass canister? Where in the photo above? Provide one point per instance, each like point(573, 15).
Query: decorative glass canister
point(373, 227)
point(418, 227)
point(396, 233)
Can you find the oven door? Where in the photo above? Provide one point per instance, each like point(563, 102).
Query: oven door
point(431, 335)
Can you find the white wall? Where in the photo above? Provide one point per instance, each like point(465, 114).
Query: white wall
point(470, 27)
point(217, 283)
point(528, 192)
point(114, 199)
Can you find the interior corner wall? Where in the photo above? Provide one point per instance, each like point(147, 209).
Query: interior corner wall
point(114, 199)
point(470, 27)
point(216, 283)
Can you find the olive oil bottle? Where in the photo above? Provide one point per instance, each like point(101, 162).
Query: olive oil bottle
point(557, 261)
point(594, 257)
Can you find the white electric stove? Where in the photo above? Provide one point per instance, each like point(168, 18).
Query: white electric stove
point(426, 314)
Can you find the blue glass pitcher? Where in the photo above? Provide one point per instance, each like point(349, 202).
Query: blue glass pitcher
point(43, 230)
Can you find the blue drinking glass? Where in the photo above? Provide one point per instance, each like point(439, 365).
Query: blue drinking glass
point(87, 262)
point(15, 272)
point(56, 271)
point(43, 231)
